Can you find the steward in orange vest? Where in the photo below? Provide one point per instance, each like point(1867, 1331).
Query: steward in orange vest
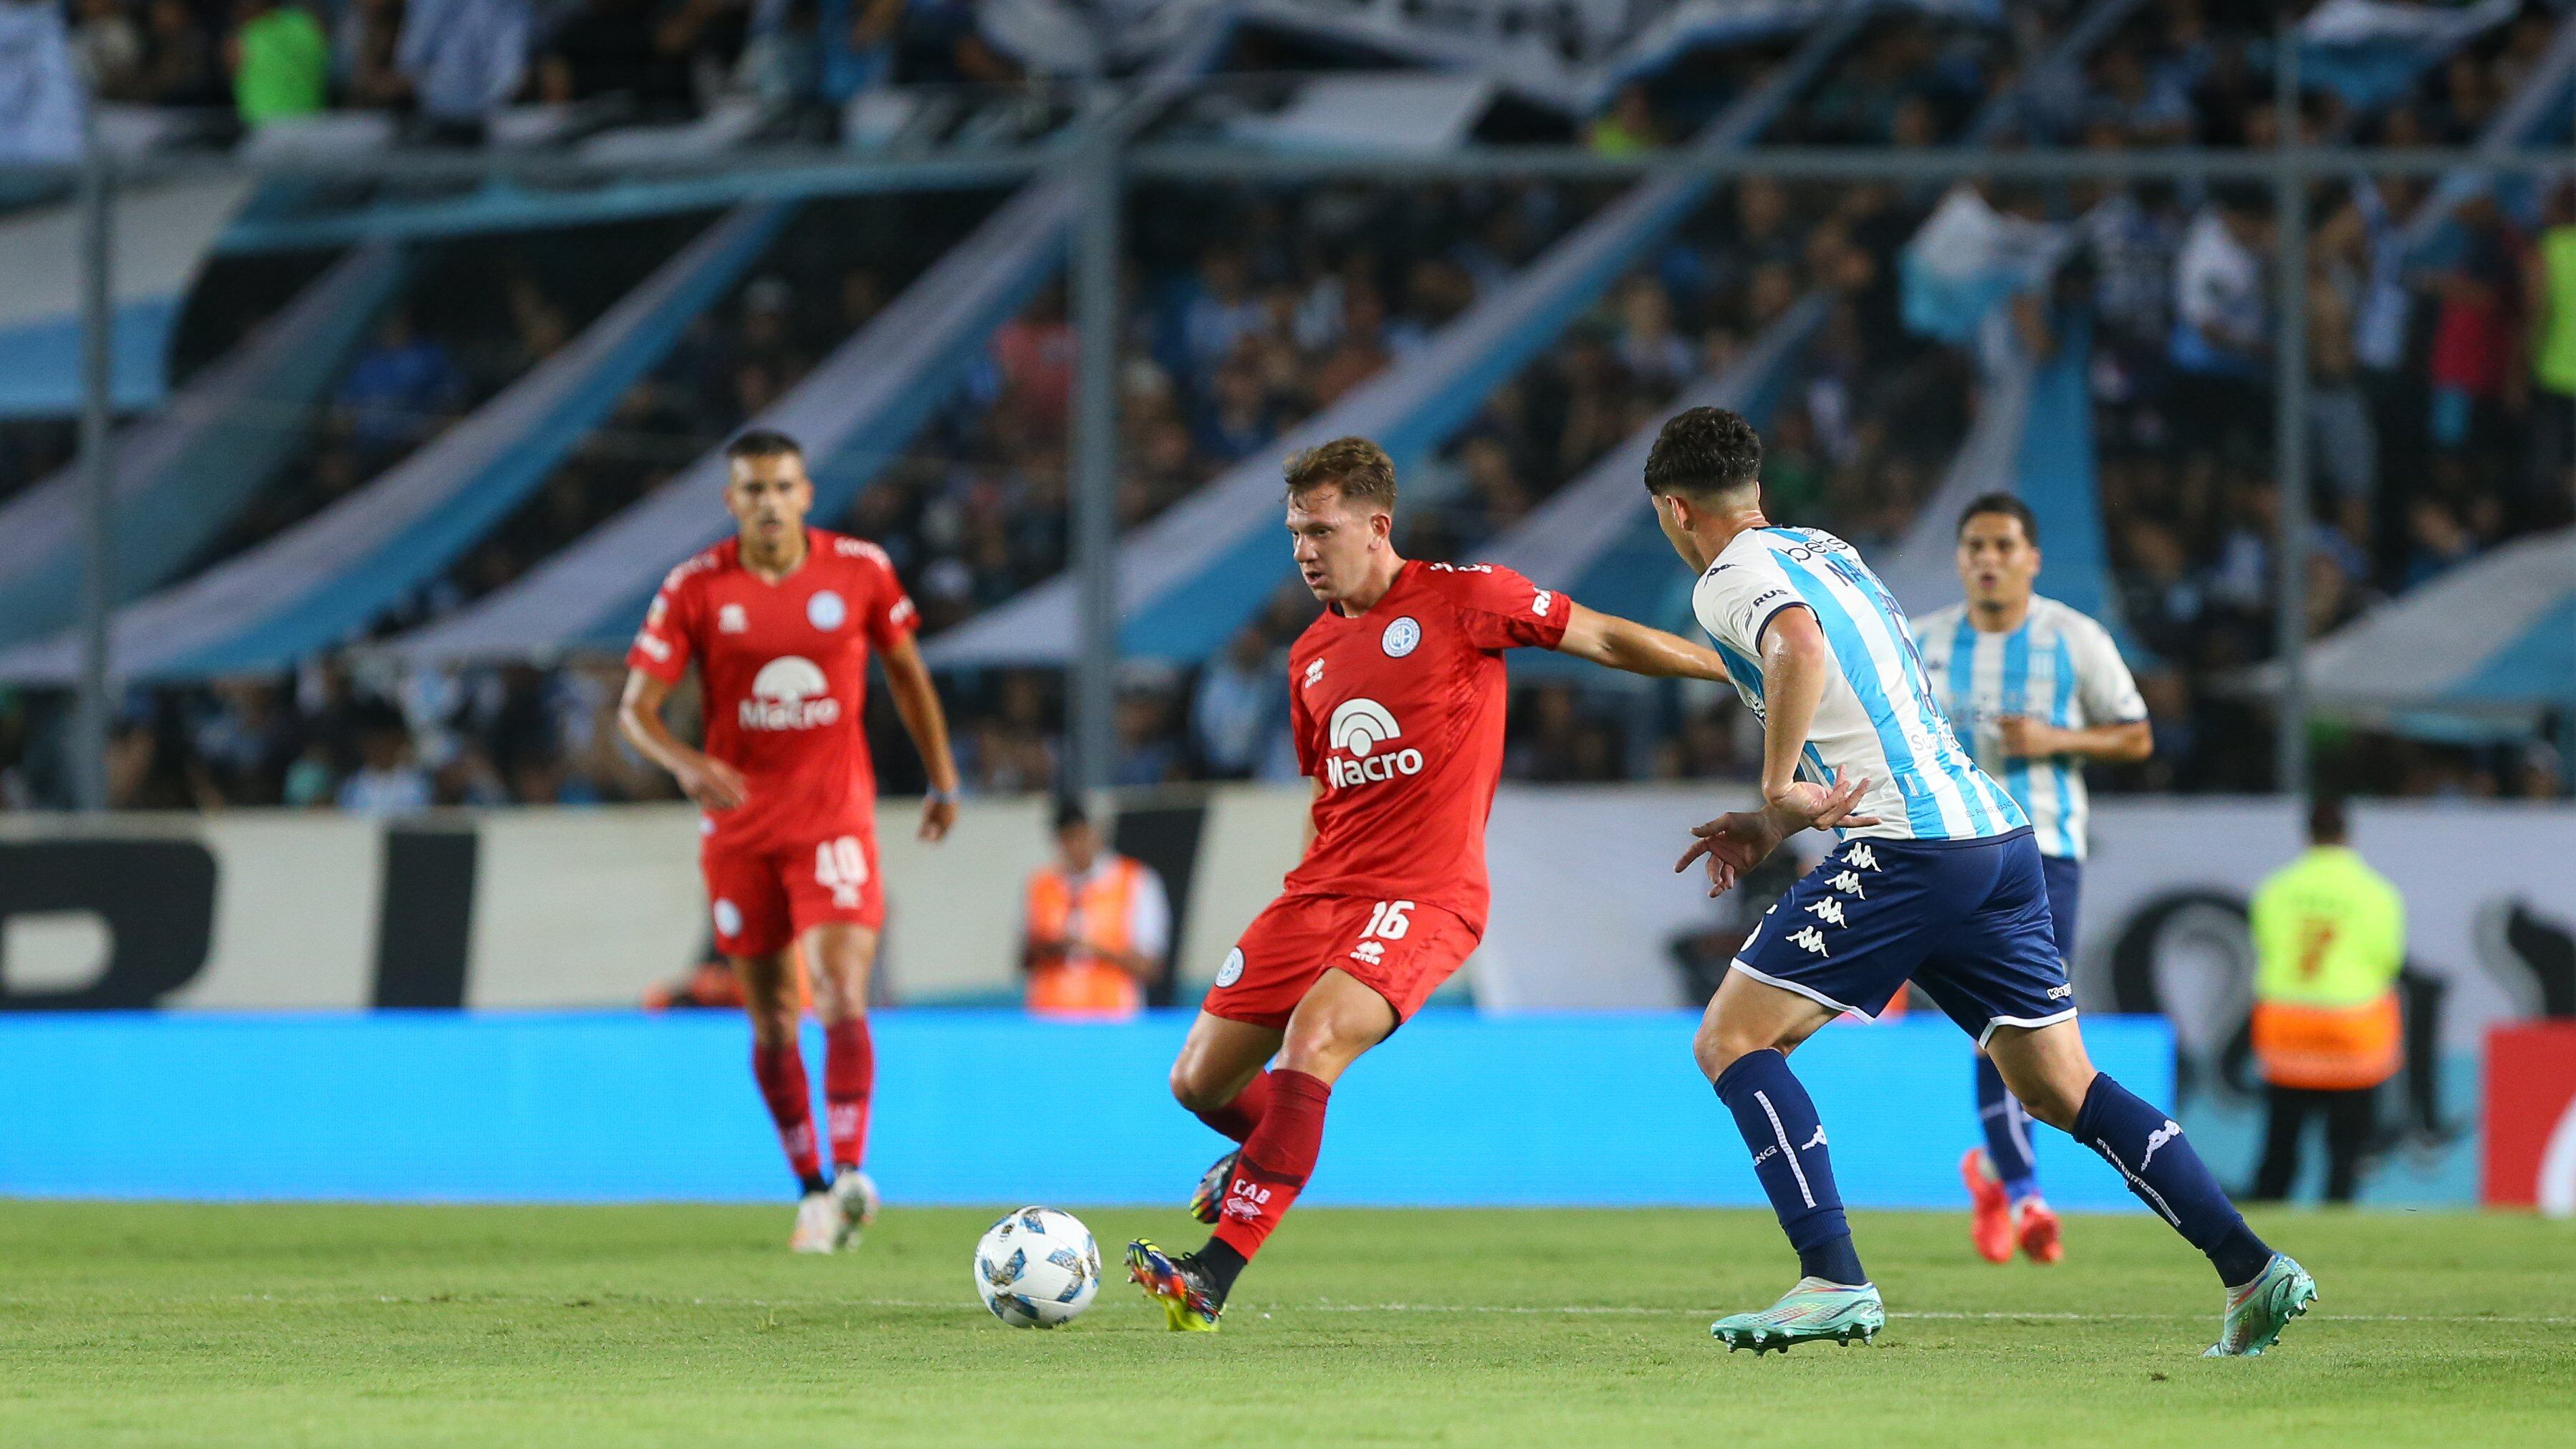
point(1098, 926)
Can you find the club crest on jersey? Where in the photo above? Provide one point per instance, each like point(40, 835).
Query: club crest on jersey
point(825, 611)
point(1232, 971)
point(789, 693)
point(1401, 637)
point(730, 619)
point(1359, 726)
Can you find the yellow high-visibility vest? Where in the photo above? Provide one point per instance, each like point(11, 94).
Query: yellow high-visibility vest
point(2330, 936)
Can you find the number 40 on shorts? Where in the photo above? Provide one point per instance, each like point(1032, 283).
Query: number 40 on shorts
point(841, 867)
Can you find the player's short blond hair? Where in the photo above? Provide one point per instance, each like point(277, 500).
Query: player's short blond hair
point(1359, 468)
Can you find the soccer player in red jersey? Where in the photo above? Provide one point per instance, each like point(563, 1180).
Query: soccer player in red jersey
point(780, 620)
point(1397, 697)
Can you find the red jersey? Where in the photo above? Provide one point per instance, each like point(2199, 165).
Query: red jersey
point(784, 668)
point(1398, 715)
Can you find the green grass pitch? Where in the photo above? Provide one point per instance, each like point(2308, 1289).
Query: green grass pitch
point(693, 1326)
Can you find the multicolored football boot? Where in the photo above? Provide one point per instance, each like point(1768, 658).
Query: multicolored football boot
point(1812, 1311)
point(2257, 1312)
point(1174, 1281)
point(1209, 1196)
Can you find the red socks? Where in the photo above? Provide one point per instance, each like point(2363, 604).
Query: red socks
point(849, 1076)
point(780, 1070)
point(1277, 1158)
point(1237, 1119)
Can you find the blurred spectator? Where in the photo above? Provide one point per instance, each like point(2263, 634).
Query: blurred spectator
point(463, 59)
point(1240, 700)
point(389, 779)
point(181, 70)
point(1096, 926)
point(2552, 288)
point(280, 62)
point(110, 49)
point(398, 391)
point(1628, 127)
point(613, 48)
point(2221, 318)
point(2477, 333)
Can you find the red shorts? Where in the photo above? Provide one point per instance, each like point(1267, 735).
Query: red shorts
point(762, 900)
point(1397, 949)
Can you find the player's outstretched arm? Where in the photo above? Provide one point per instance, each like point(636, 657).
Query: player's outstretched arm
point(2118, 744)
point(712, 783)
point(917, 700)
point(1625, 644)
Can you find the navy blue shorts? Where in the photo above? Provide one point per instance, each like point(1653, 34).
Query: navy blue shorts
point(2065, 877)
point(1966, 920)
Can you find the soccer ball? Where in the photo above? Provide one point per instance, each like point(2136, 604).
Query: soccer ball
point(1037, 1268)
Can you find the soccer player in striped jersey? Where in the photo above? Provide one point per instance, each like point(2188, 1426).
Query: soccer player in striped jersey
point(1936, 880)
point(2036, 689)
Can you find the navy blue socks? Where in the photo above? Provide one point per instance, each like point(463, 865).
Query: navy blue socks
point(1788, 1142)
point(2151, 1153)
point(2007, 1129)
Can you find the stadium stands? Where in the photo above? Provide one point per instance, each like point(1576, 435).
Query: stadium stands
point(1507, 337)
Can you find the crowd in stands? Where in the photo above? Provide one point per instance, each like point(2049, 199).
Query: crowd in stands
point(448, 65)
point(2441, 423)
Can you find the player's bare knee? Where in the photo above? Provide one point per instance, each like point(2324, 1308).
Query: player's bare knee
point(1718, 1044)
point(1195, 1088)
point(1324, 1048)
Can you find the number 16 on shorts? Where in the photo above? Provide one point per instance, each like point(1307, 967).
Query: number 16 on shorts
point(1388, 921)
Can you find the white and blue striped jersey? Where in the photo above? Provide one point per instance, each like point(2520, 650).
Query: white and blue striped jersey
point(2060, 668)
point(1879, 718)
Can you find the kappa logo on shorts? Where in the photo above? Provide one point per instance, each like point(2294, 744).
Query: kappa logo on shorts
point(1810, 938)
point(1860, 857)
point(1232, 971)
point(1828, 910)
point(1849, 881)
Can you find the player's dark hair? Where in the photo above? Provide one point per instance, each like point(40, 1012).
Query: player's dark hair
point(2009, 506)
point(1069, 813)
point(763, 443)
point(2327, 824)
point(1705, 452)
point(1358, 467)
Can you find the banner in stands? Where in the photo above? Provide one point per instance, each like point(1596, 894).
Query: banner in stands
point(560, 909)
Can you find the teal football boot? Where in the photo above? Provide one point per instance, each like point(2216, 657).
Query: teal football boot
point(1812, 1311)
point(2257, 1312)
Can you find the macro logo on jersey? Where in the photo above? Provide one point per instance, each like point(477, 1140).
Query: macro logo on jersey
point(789, 693)
point(1359, 726)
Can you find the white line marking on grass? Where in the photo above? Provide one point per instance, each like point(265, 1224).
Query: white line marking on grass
point(614, 1299)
